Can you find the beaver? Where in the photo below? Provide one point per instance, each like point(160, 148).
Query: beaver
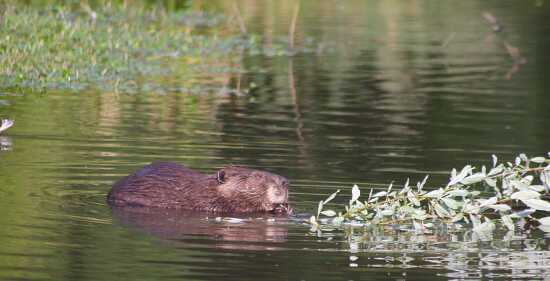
point(230, 190)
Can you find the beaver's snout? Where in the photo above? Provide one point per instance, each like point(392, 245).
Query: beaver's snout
point(282, 208)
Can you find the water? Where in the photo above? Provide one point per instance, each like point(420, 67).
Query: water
point(387, 90)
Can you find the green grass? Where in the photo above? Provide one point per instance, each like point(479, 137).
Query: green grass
point(111, 46)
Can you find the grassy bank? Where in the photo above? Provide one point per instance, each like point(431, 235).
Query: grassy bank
point(109, 46)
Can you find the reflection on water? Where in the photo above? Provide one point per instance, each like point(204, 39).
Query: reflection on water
point(388, 90)
point(247, 233)
point(462, 254)
point(5, 143)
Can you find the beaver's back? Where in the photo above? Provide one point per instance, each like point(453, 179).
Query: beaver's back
point(160, 185)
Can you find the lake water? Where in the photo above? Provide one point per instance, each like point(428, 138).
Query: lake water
point(378, 91)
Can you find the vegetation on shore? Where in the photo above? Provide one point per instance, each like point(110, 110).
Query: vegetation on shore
point(111, 46)
point(123, 47)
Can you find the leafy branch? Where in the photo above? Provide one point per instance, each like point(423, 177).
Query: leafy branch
point(517, 193)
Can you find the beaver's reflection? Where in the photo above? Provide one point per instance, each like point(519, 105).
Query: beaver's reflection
point(247, 232)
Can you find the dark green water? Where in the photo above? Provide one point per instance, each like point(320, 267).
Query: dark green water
point(390, 90)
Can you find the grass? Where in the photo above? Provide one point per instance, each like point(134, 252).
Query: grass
point(112, 46)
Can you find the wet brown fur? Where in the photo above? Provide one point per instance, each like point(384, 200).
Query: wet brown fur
point(230, 190)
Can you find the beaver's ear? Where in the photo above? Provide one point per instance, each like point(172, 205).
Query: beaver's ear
point(220, 176)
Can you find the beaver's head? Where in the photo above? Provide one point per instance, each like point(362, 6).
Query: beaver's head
point(248, 190)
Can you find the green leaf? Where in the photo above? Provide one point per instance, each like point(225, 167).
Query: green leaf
point(412, 198)
point(458, 217)
point(544, 221)
point(545, 177)
point(524, 195)
point(537, 204)
point(379, 194)
point(458, 178)
point(419, 214)
point(537, 188)
point(475, 178)
point(358, 204)
point(441, 212)
point(545, 228)
point(458, 193)
point(527, 180)
point(313, 220)
point(329, 213)
point(496, 170)
point(523, 213)
point(421, 184)
point(523, 157)
point(508, 222)
point(490, 201)
point(491, 182)
point(500, 207)
point(434, 193)
point(519, 185)
point(338, 220)
point(452, 204)
point(538, 160)
point(355, 193)
point(470, 209)
point(475, 220)
point(319, 208)
point(332, 196)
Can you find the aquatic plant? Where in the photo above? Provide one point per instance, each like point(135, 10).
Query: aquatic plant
point(112, 47)
point(6, 124)
point(512, 193)
point(118, 47)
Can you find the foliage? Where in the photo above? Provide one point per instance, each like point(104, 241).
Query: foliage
point(116, 46)
point(517, 195)
point(60, 47)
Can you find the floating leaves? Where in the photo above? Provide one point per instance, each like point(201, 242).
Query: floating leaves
point(513, 193)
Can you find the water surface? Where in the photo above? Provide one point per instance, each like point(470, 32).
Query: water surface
point(379, 91)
